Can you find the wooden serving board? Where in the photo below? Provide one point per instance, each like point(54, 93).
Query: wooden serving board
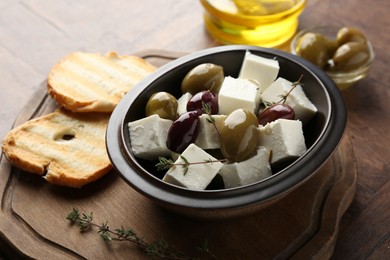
point(303, 224)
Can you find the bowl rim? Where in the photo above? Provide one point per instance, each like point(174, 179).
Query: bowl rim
point(277, 185)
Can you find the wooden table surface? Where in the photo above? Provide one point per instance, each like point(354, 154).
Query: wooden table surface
point(35, 34)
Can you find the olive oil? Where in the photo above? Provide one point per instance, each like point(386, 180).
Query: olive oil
point(266, 23)
point(263, 7)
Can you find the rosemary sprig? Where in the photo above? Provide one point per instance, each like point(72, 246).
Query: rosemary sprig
point(159, 248)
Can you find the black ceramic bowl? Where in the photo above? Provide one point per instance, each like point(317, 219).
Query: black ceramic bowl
point(322, 134)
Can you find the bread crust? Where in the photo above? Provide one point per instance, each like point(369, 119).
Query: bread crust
point(65, 148)
point(91, 82)
point(68, 148)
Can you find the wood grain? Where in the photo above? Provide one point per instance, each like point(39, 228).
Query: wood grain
point(34, 35)
point(33, 214)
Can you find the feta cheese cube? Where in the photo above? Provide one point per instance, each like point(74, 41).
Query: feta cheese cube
point(260, 69)
point(249, 171)
point(148, 137)
point(284, 138)
point(304, 109)
point(238, 93)
point(208, 137)
point(197, 176)
point(182, 103)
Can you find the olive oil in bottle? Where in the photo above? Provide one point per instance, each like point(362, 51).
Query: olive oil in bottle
point(266, 23)
point(263, 7)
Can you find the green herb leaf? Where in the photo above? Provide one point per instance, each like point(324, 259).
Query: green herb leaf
point(164, 163)
point(158, 248)
point(206, 108)
point(283, 98)
point(185, 165)
point(73, 215)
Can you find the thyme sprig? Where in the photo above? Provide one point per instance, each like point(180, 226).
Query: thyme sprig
point(294, 85)
point(159, 248)
point(185, 165)
point(209, 118)
point(207, 110)
point(164, 163)
point(283, 98)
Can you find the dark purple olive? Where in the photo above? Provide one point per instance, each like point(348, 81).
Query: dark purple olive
point(275, 112)
point(183, 131)
point(207, 97)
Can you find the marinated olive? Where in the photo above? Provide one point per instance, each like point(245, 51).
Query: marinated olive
point(350, 56)
point(206, 76)
point(183, 131)
point(162, 104)
point(313, 47)
point(239, 136)
point(347, 34)
point(331, 46)
point(275, 112)
point(204, 97)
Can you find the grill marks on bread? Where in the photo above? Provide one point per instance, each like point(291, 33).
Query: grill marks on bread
point(65, 148)
point(85, 82)
point(68, 148)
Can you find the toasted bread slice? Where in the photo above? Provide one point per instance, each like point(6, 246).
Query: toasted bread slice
point(66, 148)
point(89, 82)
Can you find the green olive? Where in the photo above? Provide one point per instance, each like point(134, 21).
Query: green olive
point(162, 104)
point(205, 76)
point(313, 47)
point(331, 46)
point(239, 136)
point(350, 56)
point(347, 34)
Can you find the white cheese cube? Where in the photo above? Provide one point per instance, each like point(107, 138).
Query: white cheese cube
point(262, 70)
point(182, 103)
point(238, 93)
point(196, 176)
point(208, 137)
point(148, 137)
point(304, 109)
point(249, 171)
point(284, 138)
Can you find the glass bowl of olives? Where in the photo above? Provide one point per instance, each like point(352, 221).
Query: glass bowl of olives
point(322, 133)
point(345, 53)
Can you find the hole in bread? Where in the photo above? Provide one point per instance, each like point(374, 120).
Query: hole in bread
point(65, 135)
